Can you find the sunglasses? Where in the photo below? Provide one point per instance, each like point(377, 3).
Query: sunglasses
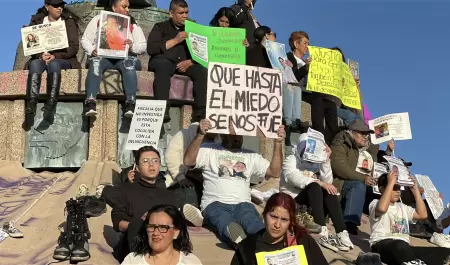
point(396, 188)
point(58, 5)
point(161, 228)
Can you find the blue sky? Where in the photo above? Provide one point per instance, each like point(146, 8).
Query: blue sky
point(403, 48)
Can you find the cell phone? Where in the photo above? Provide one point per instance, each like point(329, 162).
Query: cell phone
point(134, 167)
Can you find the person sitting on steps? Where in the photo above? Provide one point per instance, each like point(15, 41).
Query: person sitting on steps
point(169, 55)
point(52, 62)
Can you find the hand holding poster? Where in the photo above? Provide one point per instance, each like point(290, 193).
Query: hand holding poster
point(114, 30)
point(378, 170)
point(44, 38)
point(392, 126)
point(146, 124)
point(294, 255)
point(396, 164)
point(316, 150)
point(354, 68)
point(431, 195)
point(277, 56)
point(328, 74)
point(250, 97)
point(215, 44)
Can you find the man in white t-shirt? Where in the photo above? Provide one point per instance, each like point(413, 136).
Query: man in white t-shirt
point(227, 170)
point(389, 221)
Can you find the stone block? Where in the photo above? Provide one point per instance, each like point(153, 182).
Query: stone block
point(96, 135)
point(61, 144)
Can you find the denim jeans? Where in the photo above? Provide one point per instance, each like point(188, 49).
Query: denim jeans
point(218, 216)
point(292, 103)
point(38, 66)
point(353, 195)
point(348, 116)
point(127, 68)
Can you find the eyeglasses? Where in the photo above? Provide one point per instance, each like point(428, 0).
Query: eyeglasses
point(150, 161)
point(364, 135)
point(161, 228)
point(396, 188)
point(58, 5)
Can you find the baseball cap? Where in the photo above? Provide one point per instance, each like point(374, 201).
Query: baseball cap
point(54, 2)
point(359, 126)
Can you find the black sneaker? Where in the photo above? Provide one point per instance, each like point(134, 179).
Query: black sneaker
point(90, 107)
point(129, 109)
point(65, 240)
point(94, 206)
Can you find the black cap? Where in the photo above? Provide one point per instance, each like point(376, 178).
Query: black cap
point(359, 126)
point(54, 2)
point(407, 164)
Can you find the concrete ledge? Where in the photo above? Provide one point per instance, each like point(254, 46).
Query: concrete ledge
point(13, 85)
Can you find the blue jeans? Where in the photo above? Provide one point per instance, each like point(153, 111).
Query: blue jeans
point(353, 195)
point(292, 103)
point(348, 116)
point(127, 68)
point(38, 66)
point(218, 216)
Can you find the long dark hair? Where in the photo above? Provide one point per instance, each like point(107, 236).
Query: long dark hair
point(285, 201)
point(223, 12)
point(182, 243)
point(339, 50)
point(65, 15)
point(261, 32)
point(112, 3)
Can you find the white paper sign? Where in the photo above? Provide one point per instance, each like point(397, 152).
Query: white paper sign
point(146, 124)
point(248, 97)
point(114, 30)
point(378, 170)
point(315, 151)
point(396, 164)
point(431, 195)
point(279, 60)
point(392, 126)
point(44, 38)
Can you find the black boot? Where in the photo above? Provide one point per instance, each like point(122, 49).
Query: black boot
point(80, 251)
point(53, 88)
point(65, 240)
point(129, 108)
point(33, 87)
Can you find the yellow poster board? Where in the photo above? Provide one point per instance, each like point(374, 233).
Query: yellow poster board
point(294, 255)
point(328, 74)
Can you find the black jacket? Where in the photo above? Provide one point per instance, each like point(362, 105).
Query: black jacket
point(245, 253)
point(137, 198)
point(301, 72)
point(156, 44)
point(244, 20)
point(257, 56)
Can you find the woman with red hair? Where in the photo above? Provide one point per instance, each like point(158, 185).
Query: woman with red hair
point(281, 231)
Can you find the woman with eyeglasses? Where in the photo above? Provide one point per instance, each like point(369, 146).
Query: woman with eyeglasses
point(162, 239)
point(52, 62)
point(256, 53)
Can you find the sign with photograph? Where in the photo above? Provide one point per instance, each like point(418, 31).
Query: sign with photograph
point(114, 30)
point(44, 38)
point(393, 126)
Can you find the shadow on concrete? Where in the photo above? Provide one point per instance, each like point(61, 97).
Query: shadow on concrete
point(341, 261)
point(222, 245)
point(111, 236)
point(361, 241)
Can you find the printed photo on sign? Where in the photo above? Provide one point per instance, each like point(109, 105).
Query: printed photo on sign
point(397, 165)
point(44, 38)
point(113, 34)
point(277, 56)
point(381, 130)
point(393, 126)
point(365, 163)
point(199, 45)
point(232, 167)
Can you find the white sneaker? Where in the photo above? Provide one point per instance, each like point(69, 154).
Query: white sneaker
point(338, 243)
point(83, 190)
point(193, 215)
point(328, 243)
point(99, 190)
point(345, 239)
point(440, 240)
point(324, 232)
point(11, 230)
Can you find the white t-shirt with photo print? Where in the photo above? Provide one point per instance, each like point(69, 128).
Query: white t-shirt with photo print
point(226, 174)
point(394, 224)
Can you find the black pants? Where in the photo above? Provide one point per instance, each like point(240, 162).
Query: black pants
point(193, 195)
point(322, 203)
point(395, 252)
point(164, 69)
point(322, 108)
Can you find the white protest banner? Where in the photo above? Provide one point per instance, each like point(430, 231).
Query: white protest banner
point(431, 195)
point(114, 30)
point(378, 170)
point(250, 97)
point(393, 126)
point(396, 164)
point(44, 38)
point(315, 151)
point(146, 124)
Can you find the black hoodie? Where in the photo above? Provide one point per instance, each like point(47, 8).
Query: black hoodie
point(244, 20)
point(301, 72)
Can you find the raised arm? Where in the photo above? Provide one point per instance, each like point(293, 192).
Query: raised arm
point(190, 157)
point(421, 209)
point(276, 163)
point(385, 200)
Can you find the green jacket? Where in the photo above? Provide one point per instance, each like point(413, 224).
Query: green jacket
point(344, 159)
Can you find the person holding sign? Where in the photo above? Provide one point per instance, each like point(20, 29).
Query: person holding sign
point(282, 235)
point(256, 54)
point(52, 62)
point(169, 55)
point(127, 67)
point(227, 171)
point(245, 19)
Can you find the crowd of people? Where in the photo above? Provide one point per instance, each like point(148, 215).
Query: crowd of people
point(208, 176)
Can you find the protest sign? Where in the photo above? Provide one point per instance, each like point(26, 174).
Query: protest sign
point(392, 126)
point(250, 97)
point(328, 74)
point(277, 56)
point(378, 170)
point(354, 68)
point(315, 151)
point(114, 30)
point(146, 124)
point(44, 38)
point(294, 255)
point(396, 164)
point(431, 195)
point(215, 44)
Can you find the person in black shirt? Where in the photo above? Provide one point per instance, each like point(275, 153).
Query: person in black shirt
point(169, 55)
point(245, 19)
point(281, 231)
point(256, 54)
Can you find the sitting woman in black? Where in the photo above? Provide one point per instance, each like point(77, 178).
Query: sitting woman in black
point(281, 231)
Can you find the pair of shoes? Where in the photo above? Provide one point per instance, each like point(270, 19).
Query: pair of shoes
point(333, 243)
point(83, 191)
point(11, 230)
point(303, 217)
point(73, 242)
point(345, 239)
point(414, 262)
point(440, 240)
point(193, 215)
point(236, 233)
point(368, 259)
point(91, 108)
